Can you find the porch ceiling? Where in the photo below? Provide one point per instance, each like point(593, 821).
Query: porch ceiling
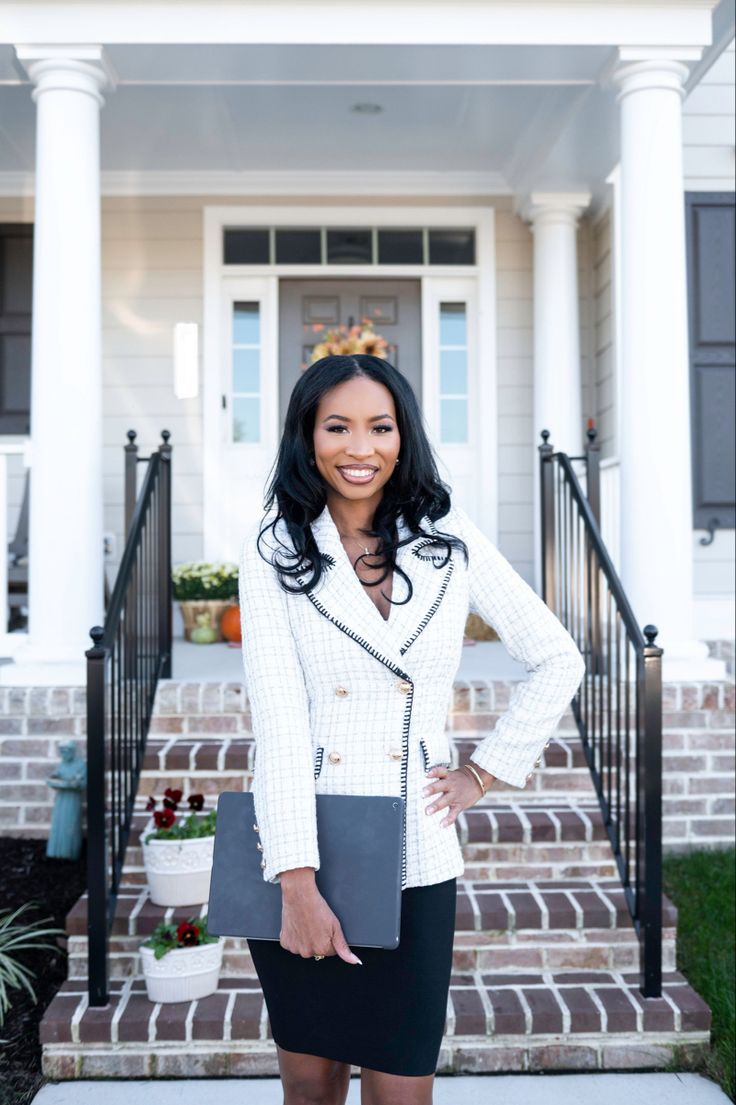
point(525, 116)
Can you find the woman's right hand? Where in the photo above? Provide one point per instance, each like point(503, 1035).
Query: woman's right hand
point(308, 925)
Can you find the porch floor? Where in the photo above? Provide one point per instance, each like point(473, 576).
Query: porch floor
point(221, 662)
point(487, 660)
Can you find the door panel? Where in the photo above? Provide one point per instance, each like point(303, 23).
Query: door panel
point(394, 306)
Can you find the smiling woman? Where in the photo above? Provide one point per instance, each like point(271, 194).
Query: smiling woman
point(347, 700)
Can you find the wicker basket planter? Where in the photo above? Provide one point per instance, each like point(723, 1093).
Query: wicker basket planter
point(213, 608)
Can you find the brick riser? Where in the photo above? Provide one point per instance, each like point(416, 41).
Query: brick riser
point(602, 949)
point(209, 765)
point(508, 1022)
point(543, 924)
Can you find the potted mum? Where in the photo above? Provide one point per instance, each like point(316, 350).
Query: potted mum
point(177, 850)
point(204, 590)
point(181, 962)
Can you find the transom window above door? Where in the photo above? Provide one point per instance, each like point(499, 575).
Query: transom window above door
point(348, 246)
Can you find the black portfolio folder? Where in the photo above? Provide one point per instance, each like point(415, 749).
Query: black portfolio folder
point(360, 844)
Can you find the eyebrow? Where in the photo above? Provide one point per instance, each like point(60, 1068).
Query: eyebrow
point(344, 418)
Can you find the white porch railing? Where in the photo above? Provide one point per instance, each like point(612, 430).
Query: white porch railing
point(9, 447)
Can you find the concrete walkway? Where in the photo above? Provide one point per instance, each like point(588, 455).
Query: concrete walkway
point(494, 1089)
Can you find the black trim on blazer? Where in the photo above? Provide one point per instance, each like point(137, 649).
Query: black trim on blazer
point(425, 753)
point(406, 723)
point(407, 708)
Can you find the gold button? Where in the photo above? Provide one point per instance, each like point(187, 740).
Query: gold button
point(334, 757)
point(259, 846)
point(256, 828)
point(341, 691)
point(394, 753)
point(404, 685)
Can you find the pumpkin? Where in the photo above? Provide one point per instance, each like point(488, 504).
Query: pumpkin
point(230, 624)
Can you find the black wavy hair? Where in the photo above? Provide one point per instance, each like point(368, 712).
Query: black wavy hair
point(413, 490)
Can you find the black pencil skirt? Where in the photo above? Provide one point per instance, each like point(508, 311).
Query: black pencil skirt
point(389, 1014)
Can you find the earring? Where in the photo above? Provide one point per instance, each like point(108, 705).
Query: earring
point(397, 460)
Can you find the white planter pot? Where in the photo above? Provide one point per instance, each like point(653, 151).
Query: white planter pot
point(178, 871)
point(183, 974)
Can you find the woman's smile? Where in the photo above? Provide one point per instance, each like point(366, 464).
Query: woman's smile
point(356, 474)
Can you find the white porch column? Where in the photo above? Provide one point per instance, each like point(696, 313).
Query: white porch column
point(557, 401)
point(66, 501)
point(656, 491)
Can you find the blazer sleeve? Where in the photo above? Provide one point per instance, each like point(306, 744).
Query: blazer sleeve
point(283, 785)
point(533, 635)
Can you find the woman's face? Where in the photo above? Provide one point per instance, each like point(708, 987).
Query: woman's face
point(356, 439)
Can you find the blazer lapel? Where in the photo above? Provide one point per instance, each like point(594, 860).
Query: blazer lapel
point(343, 599)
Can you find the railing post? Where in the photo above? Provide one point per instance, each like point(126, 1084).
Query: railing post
point(97, 874)
point(649, 891)
point(593, 495)
point(593, 472)
point(131, 479)
point(547, 527)
point(165, 612)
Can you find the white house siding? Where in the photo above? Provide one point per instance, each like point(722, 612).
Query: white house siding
point(708, 128)
point(514, 338)
point(604, 357)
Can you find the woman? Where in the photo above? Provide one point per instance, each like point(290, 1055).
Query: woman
point(354, 596)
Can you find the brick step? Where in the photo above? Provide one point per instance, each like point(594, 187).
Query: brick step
point(499, 925)
point(553, 838)
point(210, 764)
point(496, 1021)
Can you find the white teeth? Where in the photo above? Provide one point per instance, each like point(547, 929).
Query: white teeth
point(358, 471)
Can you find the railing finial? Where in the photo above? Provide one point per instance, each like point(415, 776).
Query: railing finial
point(97, 633)
point(650, 632)
point(131, 436)
point(166, 434)
point(545, 436)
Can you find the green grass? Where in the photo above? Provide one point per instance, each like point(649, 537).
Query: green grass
point(702, 886)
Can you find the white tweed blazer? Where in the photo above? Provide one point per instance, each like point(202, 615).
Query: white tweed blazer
point(345, 702)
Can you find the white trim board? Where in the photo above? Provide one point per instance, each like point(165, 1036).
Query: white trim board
point(397, 22)
point(317, 182)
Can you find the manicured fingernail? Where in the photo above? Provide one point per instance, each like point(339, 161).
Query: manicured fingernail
point(361, 962)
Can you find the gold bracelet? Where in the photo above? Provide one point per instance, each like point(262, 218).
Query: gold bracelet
point(476, 776)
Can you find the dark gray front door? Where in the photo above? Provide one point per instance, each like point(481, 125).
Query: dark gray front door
point(393, 305)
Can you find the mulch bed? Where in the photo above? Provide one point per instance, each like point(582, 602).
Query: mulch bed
point(54, 885)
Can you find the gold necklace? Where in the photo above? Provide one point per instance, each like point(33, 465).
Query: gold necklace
point(350, 537)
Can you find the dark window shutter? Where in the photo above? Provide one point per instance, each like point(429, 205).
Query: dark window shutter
point(16, 293)
point(711, 257)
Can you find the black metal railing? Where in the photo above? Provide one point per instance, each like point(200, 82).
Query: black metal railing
point(130, 654)
point(618, 707)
